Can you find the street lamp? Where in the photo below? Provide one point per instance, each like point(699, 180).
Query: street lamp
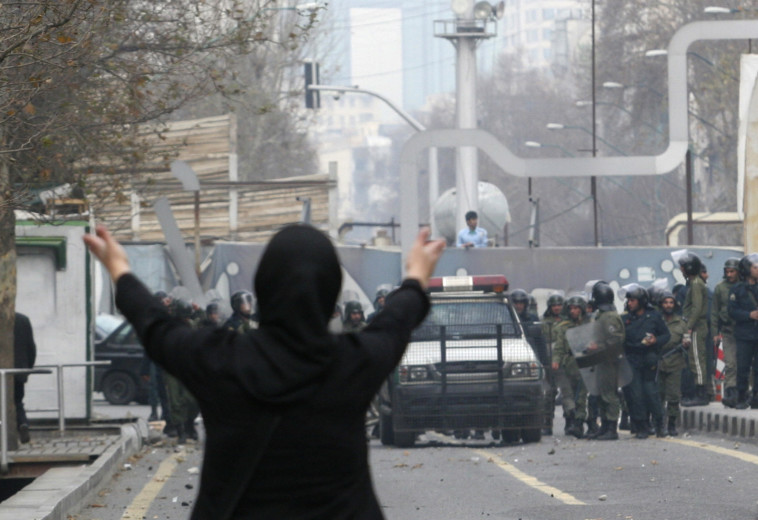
point(663, 52)
point(616, 85)
point(732, 10)
point(535, 144)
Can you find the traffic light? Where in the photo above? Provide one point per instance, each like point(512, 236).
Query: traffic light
point(312, 97)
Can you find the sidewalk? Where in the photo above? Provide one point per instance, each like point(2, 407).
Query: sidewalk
point(60, 489)
point(717, 419)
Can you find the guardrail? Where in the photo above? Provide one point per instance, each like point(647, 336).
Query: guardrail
point(4, 409)
point(61, 409)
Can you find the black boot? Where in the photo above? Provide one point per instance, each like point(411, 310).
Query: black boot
point(659, 431)
point(701, 397)
point(610, 433)
point(592, 429)
point(624, 424)
point(181, 433)
point(153, 414)
point(649, 426)
point(730, 397)
point(742, 402)
point(569, 422)
point(640, 429)
point(576, 429)
point(672, 427)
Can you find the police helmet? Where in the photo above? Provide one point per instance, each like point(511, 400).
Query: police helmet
point(745, 263)
point(182, 308)
point(691, 264)
point(380, 293)
point(555, 299)
point(519, 296)
point(160, 294)
point(665, 295)
point(351, 307)
point(239, 298)
point(577, 301)
point(732, 263)
point(212, 308)
point(602, 294)
point(654, 295)
point(639, 293)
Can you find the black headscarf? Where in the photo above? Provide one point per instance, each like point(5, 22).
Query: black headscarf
point(297, 283)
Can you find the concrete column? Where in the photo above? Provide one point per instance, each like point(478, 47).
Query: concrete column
point(750, 189)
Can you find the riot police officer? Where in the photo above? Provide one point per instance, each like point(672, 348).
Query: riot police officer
point(743, 309)
point(567, 375)
point(536, 338)
point(354, 319)
point(645, 332)
point(722, 328)
point(241, 319)
point(694, 312)
point(610, 338)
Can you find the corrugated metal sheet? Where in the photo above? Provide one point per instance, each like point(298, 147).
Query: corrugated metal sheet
point(206, 145)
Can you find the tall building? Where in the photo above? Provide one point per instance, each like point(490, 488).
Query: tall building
point(543, 32)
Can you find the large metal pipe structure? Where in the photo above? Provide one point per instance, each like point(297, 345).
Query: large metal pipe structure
point(665, 162)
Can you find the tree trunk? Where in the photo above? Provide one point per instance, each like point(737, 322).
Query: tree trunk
point(7, 290)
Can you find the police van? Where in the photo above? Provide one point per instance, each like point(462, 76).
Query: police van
point(467, 366)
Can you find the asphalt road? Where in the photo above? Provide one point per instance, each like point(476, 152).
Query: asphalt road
point(560, 478)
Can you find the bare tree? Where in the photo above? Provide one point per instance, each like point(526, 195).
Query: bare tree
point(80, 77)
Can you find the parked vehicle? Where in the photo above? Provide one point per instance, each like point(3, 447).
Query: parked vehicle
point(468, 366)
point(116, 341)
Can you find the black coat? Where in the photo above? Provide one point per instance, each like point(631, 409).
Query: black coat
point(24, 348)
point(284, 421)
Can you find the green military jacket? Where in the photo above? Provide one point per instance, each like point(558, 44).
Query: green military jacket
point(610, 330)
point(670, 360)
point(561, 350)
point(695, 307)
point(550, 327)
point(721, 322)
point(348, 326)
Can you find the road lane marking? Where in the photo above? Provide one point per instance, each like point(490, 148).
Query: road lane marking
point(531, 481)
point(746, 457)
point(141, 503)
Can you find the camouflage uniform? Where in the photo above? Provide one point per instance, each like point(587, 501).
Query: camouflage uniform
point(610, 330)
point(573, 391)
point(671, 365)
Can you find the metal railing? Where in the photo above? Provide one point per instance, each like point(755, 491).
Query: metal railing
point(61, 409)
point(4, 409)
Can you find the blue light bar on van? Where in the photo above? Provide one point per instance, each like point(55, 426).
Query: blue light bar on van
point(487, 283)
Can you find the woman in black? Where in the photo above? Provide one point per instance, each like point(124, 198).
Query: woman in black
point(284, 405)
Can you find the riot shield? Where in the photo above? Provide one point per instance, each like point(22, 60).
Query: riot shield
point(581, 340)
